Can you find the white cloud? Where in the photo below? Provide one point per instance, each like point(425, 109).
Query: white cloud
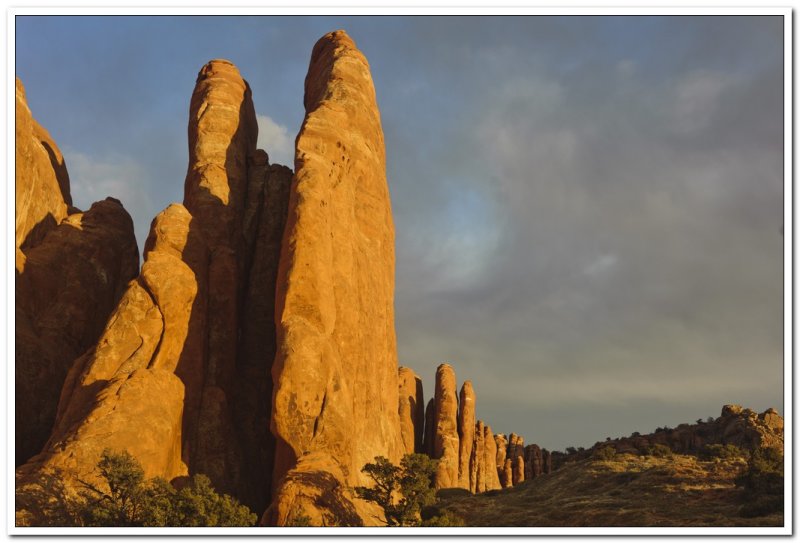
point(275, 139)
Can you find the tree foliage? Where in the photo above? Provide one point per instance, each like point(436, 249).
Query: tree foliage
point(762, 483)
point(123, 497)
point(401, 491)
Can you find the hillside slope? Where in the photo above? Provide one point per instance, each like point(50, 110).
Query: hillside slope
point(628, 490)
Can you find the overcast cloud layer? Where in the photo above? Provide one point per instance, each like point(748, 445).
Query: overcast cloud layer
point(588, 210)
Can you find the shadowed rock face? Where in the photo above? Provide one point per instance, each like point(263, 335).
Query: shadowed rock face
point(477, 466)
point(466, 431)
point(411, 410)
point(502, 446)
point(180, 375)
point(335, 398)
point(430, 428)
point(70, 272)
point(516, 445)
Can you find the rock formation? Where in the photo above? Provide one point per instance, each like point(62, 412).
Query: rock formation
point(507, 477)
point(737, 426)
point(516, 446)
point(466, 431)
point(71, 270)
point(445, 441)
point(429, 435)
point(477, 461)
point(502, 446)
point(533, 461)
point(180, 376)
point(335, 397)
point(547, 462)
point(491, 477)
point(42, 184)
point(411, 410)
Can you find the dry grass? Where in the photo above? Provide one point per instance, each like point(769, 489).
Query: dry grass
point(626, 491)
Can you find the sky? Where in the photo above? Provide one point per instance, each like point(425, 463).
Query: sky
point(588, 210)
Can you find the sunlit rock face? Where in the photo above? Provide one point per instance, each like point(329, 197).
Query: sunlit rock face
point(71, 269)
point(180, 377)
point(411, 410)
point(335, 401)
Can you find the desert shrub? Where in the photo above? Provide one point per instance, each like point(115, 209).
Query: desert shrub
point(46, 501)
point(444, 519)
point(412, 481)
point(659, 450)
point(605, 453)
point(762, 483)
point(571, 450)
point(124, 498)
point(709, 452)
point(299, 519)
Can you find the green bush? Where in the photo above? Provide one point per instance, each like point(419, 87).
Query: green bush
point(762, 483)
point(444, 519)
point(125, 498)
point(605, 453)
point(412, 480)
point(709, 452)
point(659, 450)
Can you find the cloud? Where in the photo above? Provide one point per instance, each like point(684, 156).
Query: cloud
point(276, 141)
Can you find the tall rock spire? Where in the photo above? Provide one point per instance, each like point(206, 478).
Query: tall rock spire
point(335, 400)
point(180, 376)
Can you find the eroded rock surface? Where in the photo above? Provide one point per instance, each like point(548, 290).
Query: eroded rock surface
point(466, 433)
point(71, 270)
point(180, 376)
point(42, 183)
point(489, 459)
point(445, 440)
point(411, 410)
point(335, 398)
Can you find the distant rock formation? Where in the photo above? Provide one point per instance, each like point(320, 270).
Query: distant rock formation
point(71, 269)
point(466, 434)
point(446, 444)
point(516, 446)
point(737, 426)
point(335, 404)
point(533, 461)
point(502, 446)
point(491, 477)
point(411, 410)
point(477, 465)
